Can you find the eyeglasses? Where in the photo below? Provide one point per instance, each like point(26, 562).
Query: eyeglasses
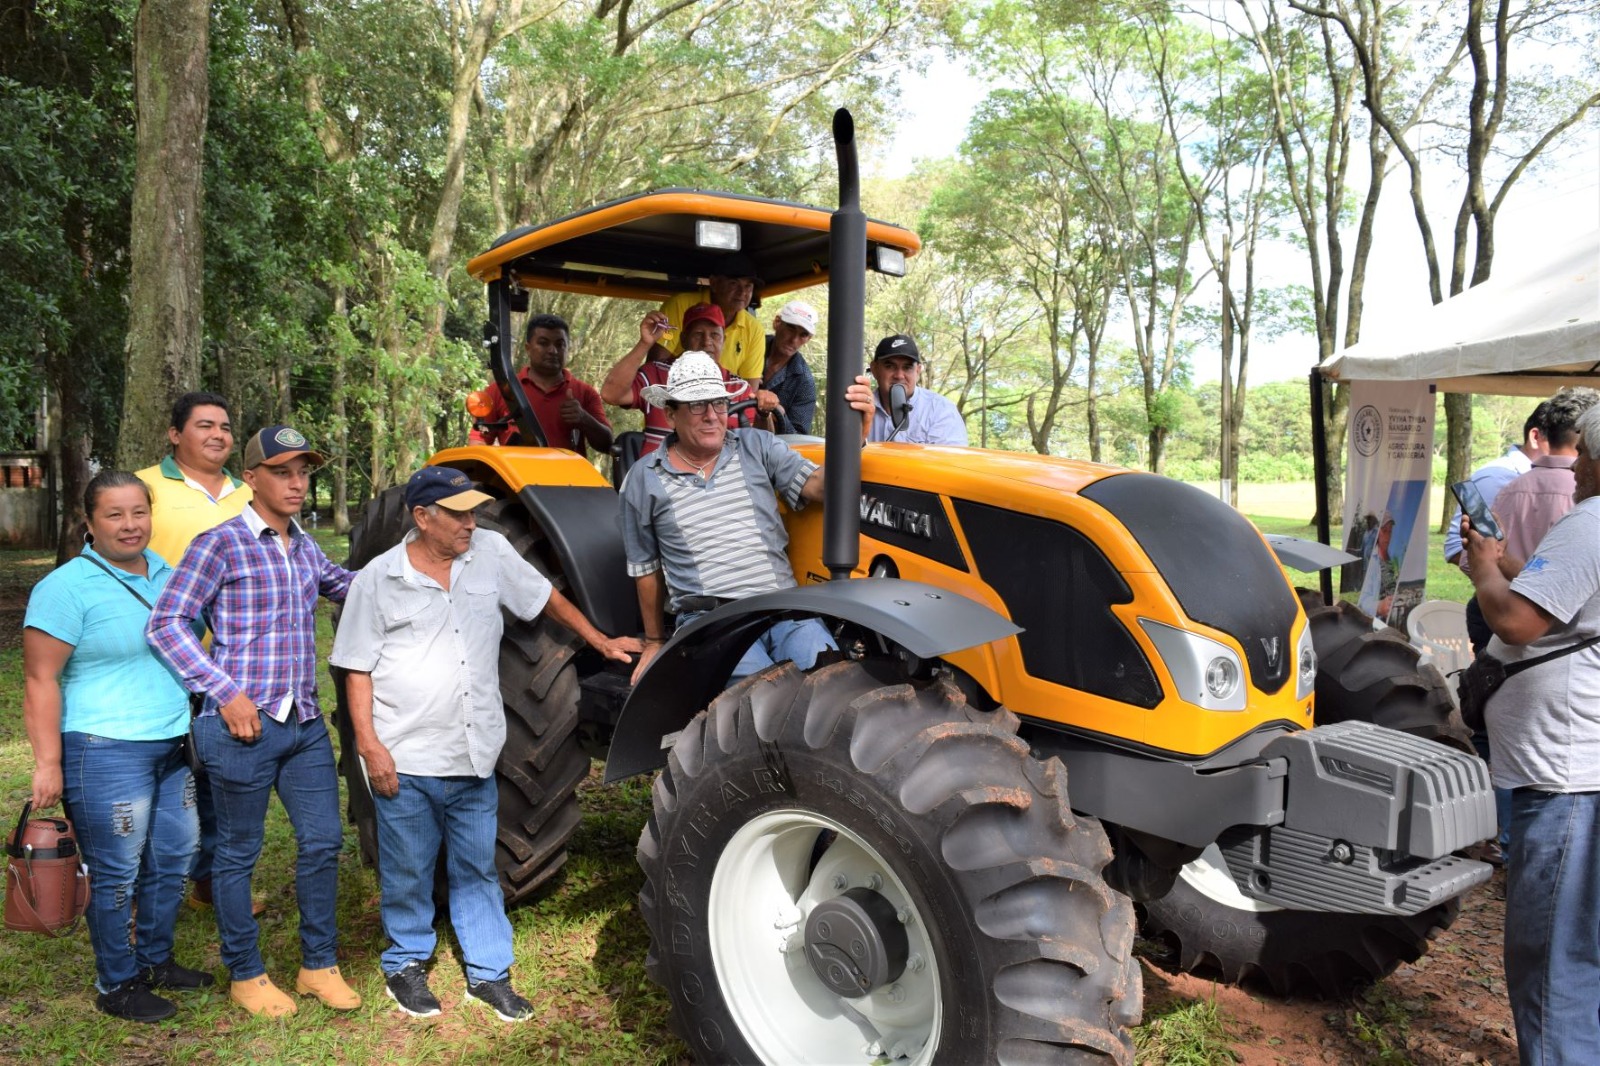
point(699, 407)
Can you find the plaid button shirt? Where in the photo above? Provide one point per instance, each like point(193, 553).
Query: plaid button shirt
point(260, 609)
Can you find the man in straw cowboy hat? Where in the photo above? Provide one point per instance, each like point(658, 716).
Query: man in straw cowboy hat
point(700, 518)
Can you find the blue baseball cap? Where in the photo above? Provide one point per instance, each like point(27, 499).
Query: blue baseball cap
point(278, 444)
point(450, 489)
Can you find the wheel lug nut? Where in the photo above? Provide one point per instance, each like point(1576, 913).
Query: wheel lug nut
point(874, 882)
point(916, 963)
point(896, 994)
point(839, 882)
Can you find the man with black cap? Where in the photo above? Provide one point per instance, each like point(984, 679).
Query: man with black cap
point(425, 711)
point(254, 580)
point(905, 413)
point(731, 289)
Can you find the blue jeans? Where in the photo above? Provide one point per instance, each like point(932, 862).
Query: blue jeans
point(797, 640)
point(463, 813)
point(208, 832)
point(1552, 929)
point(296, 758)
point(132, 804)
point(1502, 796)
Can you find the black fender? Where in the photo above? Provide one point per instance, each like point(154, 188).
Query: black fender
point(581, 522)
point(694, 666)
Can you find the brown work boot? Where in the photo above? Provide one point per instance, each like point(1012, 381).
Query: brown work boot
point(329, 987)
point(200, 899)
point(260, 996)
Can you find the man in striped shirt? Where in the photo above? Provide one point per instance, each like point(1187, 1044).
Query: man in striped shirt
point(700, 521)
point(254, 582)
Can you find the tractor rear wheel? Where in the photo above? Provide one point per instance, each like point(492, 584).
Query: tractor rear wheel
point(844, 869)
point(1365, 675)
point(541, 764)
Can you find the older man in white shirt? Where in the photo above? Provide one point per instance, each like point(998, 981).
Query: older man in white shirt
point(420, 635)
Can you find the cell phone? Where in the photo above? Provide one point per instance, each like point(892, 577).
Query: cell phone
point(1476, 510)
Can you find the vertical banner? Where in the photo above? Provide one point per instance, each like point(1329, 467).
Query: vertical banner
point(1388, 471)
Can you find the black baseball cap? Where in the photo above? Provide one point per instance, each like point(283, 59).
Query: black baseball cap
point(897, 344)
point(738, 265)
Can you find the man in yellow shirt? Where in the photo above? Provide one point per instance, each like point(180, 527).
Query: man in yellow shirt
point(191, 490)
point(744, 345)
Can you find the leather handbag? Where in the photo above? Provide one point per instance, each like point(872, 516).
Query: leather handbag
point(47, 882)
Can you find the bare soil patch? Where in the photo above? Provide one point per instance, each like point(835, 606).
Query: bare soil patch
point(1448, 1007)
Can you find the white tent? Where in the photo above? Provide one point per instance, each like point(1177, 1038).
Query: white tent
point(1524, 335)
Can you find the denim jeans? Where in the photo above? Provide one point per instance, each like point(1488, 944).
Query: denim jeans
point(1552, 929)
point(207, 811)
point(798, 640)
point(1502, 796)
point(463, 813)
point(132, 804)
point(296, 758)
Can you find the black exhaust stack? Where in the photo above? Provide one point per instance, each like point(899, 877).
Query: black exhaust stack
point(847, 297)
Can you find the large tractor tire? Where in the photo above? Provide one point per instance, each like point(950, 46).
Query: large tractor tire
point(1365, 675)
point(541, 764)
point(844, 869)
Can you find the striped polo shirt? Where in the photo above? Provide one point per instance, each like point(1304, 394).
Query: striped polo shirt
point(720, 535)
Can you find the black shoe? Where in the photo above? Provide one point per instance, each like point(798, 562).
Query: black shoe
point(180, 978)
point(498, 997)
point(133, 1001)
point(409, 988)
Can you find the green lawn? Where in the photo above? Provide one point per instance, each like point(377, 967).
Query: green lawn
point(579, 952)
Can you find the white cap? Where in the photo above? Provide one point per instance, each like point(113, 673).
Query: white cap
point(694, 376)
point(799, 313)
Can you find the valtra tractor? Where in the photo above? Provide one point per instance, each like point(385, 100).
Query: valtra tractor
point(1064, 690)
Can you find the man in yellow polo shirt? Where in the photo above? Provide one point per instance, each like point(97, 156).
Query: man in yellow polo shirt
point(744, 344)
point(191, 490)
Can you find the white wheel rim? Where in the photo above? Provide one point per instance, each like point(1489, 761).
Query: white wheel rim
point(1209, 876)
point(761, 894)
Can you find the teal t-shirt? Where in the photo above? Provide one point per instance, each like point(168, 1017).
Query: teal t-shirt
point(113, 685)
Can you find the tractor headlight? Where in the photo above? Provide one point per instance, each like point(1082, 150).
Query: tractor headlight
point(891, 261)
point(1305, 658)
point(1207, 673)
point(1222, 677)
point(722, 236)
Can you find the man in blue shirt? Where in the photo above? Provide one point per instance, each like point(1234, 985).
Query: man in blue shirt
point(929, 418)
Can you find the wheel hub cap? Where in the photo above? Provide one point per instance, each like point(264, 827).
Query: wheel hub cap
point(855, 942)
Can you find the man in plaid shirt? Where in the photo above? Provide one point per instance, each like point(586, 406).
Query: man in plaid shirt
point(254, 581)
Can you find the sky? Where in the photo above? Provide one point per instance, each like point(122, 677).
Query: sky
point(939, 101)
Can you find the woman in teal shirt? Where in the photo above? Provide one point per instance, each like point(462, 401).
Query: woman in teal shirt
point(107, 721)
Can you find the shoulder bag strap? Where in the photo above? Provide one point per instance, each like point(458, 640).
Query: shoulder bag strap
point(1518, 667)
point(124, 584)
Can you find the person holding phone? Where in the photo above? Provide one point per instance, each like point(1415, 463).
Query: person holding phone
point(1544, 730)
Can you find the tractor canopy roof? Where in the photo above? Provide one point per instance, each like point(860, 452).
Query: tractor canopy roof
point(652, 245)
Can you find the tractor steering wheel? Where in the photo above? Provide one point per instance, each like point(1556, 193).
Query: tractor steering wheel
point(738, 410)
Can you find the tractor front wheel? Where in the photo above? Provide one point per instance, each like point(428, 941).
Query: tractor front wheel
point(1366, 675)
point(844, 869)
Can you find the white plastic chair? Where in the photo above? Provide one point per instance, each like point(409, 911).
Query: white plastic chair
point(1439, 630)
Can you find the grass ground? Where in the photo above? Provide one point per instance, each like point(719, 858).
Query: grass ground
point(579, 952)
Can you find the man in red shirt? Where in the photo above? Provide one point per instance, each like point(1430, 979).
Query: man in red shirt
point(641, 368)
point(568, 409)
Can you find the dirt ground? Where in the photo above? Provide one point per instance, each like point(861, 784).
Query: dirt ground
point(1448, 1007)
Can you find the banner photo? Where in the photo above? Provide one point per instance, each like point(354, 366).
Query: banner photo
point(1388, 472)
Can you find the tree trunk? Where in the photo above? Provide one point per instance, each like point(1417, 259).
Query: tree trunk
point(165, 243)
point(341, 428)
point(1458, 447)
point(72, 454)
